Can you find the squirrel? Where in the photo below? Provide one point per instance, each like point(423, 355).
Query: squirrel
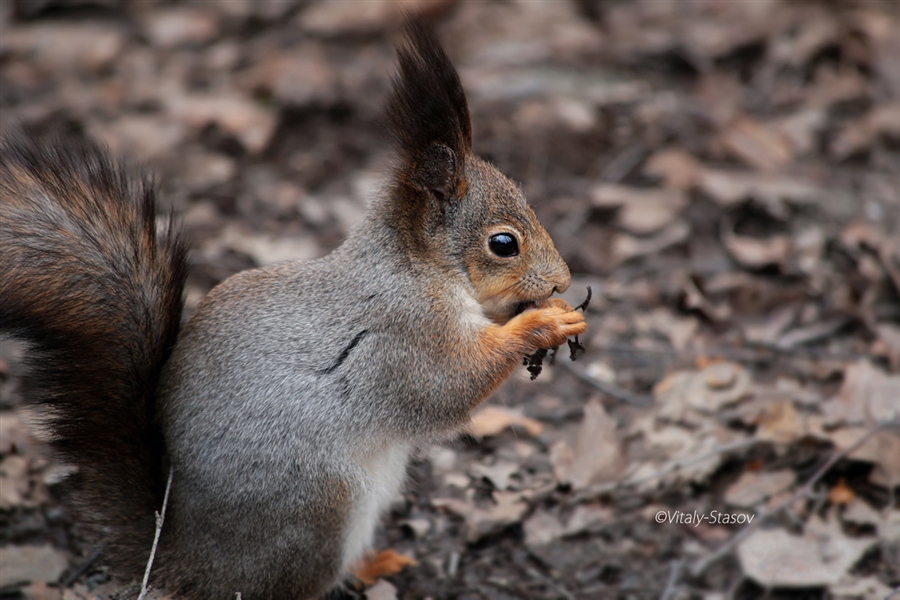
point(287, 406)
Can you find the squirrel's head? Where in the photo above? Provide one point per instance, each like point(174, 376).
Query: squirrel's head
point(451, 208)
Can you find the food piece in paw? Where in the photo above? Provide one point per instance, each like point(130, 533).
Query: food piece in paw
point(534, 362)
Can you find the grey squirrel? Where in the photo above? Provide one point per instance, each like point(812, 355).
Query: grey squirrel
point(287, 406)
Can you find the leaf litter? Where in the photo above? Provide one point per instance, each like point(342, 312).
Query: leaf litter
point(723, 174)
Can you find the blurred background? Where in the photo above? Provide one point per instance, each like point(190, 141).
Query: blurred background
point(724, 174)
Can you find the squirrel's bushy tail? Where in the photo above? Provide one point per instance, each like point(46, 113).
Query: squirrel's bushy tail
point(96, 289)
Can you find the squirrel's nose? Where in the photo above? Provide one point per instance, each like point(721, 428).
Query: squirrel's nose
point(558, 276)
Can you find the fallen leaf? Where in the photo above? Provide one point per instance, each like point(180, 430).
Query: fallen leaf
point(23, 564)
point(780, 423)
point(678, 169)
point(757, 145)
point(15, 483)
point(543, 527)
point(498, 474)
point(869, 395)
point(181, 27)
point(728, 188)
point(626, 247)
point(508, 509)
point(596, 457)
point(246, 120)
point(755, 487)
point(13, 433)
point(820, 557)
point(860, 513)
point(709, 390)
point(887, 345)
point(383, 590)
point(865, 588)
point(641, 211)
point(492, 420)
point(757, 253)
point(679, 330)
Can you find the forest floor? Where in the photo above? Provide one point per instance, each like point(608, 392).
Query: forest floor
point(724, 175)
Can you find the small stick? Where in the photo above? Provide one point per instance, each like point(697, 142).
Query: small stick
point(674, 575)
point(81, 570)
point(613, 391)
point(160, 517)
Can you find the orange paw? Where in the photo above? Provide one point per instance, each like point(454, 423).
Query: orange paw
point(548, 325)
point(387, 562)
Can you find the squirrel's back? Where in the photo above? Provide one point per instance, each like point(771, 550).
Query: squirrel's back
point(96, 289)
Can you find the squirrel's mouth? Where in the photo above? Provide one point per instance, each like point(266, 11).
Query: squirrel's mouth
point(522, 307)
point(502, 313)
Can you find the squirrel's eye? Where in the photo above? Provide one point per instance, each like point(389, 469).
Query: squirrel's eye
point(503, 244)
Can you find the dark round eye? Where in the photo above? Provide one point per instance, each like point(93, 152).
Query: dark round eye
point(503, 244)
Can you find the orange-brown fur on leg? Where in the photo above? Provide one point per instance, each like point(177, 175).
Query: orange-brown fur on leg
point(374, 566)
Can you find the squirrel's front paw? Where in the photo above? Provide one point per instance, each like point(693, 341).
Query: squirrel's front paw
point(547, 326)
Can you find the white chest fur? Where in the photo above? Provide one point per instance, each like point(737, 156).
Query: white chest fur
point(382, 473)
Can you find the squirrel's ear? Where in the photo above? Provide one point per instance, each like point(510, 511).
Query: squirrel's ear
point(429, 116)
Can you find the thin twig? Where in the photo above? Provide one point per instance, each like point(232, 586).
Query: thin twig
point(81, 570)
point(613, 391)
point(701, 565)
point(677, 567)
point(556, 587)
point(160, 518)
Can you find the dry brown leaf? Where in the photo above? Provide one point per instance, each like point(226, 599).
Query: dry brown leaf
point(864, 588)
point(860, 513)
point(882, 449)
point(383, 590)
point(781, 423)
point(181, 26)
point(39, 590)
point(15, 482)
point(757, 145)
point(769, 328)
point(719, 385)
point(626, 247)
point(641, 211)
point(493, 420)
point(249, 122)
point(677, 168)
point(678, 454)
point(757, 253)
point(887, 344)
point(13, 433)
point(498, 474)
point(728, 188)
point(508, 509)
point(858, 136)
point(679, 330)
point(754, 488)
point(597, 456)
point(869, 395)
point(543, 527)
point(820, 557)
point(802, 128)
point(22, 564)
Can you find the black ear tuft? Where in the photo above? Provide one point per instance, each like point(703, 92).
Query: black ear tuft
point(428, 113)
